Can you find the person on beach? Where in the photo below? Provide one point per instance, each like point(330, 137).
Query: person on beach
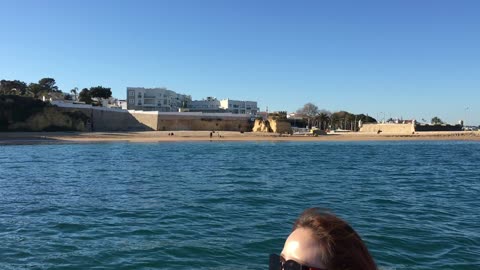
point(322, 241)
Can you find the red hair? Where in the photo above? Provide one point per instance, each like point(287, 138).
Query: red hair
point(342, 248)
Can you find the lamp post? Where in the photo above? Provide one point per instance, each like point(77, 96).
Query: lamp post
point(465, 121)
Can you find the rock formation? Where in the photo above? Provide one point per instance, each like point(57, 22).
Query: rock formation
point(272, 125)
point(28, 114)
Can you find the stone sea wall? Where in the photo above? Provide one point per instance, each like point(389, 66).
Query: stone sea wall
point(406, 128)
point(388, 128)
point(203, 123)
point(27, 114)
point(421, 128)
point(103, 119)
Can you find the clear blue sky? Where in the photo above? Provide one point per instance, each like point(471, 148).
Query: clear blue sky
point(409, 58)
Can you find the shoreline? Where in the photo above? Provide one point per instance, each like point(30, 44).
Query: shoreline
point(19, 138)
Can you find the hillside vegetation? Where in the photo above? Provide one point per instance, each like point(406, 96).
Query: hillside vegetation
point(18, 113)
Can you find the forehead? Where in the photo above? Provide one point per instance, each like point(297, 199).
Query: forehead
point(301, 246)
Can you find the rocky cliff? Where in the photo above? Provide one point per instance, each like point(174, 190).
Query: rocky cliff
point(27, 114)
point(272, 125)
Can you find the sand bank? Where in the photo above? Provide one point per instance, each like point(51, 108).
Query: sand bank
point(179, 136)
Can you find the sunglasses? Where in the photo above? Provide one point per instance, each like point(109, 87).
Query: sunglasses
point(277, 262)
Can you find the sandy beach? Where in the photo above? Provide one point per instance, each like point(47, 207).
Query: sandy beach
point(185, 136)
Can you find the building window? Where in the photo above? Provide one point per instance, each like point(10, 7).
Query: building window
point(131, 93)
point(139, 95)
point(131, 101)
point(139, 103)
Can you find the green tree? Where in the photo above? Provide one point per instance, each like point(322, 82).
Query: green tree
point(48, 85)
point(100, 92)
point(15, 87)
point(36, 89)
point(44, 87)
point(366, 118)
point(85, 96)
point(349, 121)
point(323, 120)
point(436, 121)
point(342, 120)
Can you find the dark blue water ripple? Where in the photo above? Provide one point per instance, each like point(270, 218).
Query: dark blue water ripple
point(228, 205)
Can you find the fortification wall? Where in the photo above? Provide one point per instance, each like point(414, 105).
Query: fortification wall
point(122, 121)
point(438, 128)
point(116, 120)
point(388, 128)
point(103, 119)
point(203, 122)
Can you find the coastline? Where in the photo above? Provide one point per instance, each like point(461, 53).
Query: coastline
point(16, 138)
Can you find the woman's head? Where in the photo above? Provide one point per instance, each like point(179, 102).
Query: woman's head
point(321, 240)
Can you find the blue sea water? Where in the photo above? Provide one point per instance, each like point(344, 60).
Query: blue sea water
point(228, 205)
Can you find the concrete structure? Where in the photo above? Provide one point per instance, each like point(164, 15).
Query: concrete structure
point(155, 99)
point(122, 103)
point(210, 104)
point(239, 106)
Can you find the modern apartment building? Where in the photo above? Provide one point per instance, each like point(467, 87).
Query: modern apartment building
point(155, 99)
point(211, 104)
point(239, 106)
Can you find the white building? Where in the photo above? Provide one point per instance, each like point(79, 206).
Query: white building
point(239, 106)
point(155, 99)
point(122, 103)
point(211, 104)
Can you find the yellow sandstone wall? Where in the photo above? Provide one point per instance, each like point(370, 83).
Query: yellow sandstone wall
point(261, 126)
point(388, 128)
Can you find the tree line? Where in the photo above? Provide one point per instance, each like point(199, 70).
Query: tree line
point(47, 87)
point(324, 119)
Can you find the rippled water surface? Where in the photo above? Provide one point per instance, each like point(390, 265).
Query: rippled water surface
point(228, 205)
